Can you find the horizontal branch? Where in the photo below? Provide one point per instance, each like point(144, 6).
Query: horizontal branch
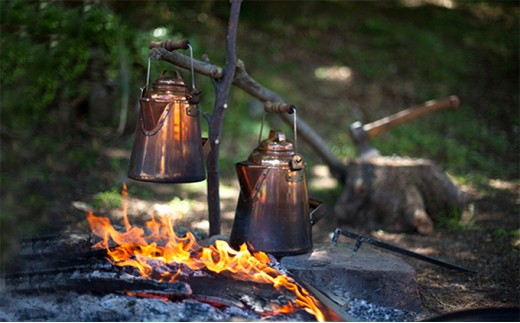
point(249, 85)
point(178, 59)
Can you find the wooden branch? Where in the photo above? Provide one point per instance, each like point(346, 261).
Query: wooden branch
point(181, 60)
point(249, 85)
point(215, 121)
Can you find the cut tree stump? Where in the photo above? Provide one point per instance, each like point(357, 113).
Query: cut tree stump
point(397, 194)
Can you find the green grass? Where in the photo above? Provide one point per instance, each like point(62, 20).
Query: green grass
point(108, 199)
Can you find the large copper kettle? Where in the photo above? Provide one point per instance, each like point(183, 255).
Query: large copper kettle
point(167, 146)
point(274, 213)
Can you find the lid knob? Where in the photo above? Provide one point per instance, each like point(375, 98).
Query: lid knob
point(277, 136)
point(277, 141)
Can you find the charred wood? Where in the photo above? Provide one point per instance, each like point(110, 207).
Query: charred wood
point(97, 282)
point(243, 294)
point(55, 252)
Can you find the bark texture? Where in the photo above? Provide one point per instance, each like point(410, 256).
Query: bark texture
point(397, 194)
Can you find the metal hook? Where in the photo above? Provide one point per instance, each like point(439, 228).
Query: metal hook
point(295, 121)
point(148, 73)
point(360, 239)
point(261, 128)
point(192, 68)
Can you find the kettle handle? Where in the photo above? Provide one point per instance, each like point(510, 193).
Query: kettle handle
point(172, 45)
point(280, 107)
point(318, 210)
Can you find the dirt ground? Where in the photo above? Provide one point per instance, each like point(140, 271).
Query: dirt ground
point(481, 248)
point(481, 245)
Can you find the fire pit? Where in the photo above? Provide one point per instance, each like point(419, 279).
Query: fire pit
point(152, 270)
point(159, 272)
point(62, 278)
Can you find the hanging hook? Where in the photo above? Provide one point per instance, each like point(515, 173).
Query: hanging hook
point(261, 128)
point(172, 45)
point(192, 68)
point(280, 107)
point(145, 88)
point(295, 128)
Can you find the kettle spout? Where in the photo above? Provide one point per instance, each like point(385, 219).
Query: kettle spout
point(250, 178)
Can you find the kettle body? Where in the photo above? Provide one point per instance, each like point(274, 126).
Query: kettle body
point(273, 211)
point(167, 146)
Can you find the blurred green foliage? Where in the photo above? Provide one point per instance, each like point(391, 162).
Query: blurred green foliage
point(108, 199)
point(418, 53)
point(46, 47)
point(401, 56)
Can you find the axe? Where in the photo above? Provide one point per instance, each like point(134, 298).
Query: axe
point(361, 134)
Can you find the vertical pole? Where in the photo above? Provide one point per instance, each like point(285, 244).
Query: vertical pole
point(222, 87)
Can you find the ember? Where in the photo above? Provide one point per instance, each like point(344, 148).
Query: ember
point(159, 254)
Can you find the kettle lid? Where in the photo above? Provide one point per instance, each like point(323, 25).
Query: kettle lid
point(276, 150)
point(175, 83)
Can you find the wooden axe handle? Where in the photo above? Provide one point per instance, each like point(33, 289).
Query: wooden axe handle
point(377, 127)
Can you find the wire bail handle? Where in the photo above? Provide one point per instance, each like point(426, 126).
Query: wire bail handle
point(280, 107)
point(171, 46)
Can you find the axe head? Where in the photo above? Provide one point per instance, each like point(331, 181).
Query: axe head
point(360, 138)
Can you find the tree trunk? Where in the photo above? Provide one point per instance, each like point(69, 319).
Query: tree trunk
point(397, 194)
point(222, 87)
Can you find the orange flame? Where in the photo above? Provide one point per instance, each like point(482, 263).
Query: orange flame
point(146, 250)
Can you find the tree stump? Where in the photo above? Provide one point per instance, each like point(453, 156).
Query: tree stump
point(397, 194)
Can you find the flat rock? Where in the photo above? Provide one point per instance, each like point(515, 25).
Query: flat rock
point(374, 276)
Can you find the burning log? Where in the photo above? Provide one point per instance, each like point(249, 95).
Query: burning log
point(242, 294)
point(62, 262)
point(96, 276)
point(102, 278)
point(138, 248)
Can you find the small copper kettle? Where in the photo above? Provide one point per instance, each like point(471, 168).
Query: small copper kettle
point(167, 146)
point(274, 213)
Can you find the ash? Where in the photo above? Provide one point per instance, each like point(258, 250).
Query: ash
point(76, 307)
point(365, 311)
point(71, 306)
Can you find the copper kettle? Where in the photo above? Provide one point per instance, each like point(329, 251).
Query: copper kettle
point(167, 146)
point(274, 213)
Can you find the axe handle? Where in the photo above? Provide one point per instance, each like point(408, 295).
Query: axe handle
point(377, 127)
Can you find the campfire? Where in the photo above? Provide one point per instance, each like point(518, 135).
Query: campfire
point(159, 254)
point(155, 273)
